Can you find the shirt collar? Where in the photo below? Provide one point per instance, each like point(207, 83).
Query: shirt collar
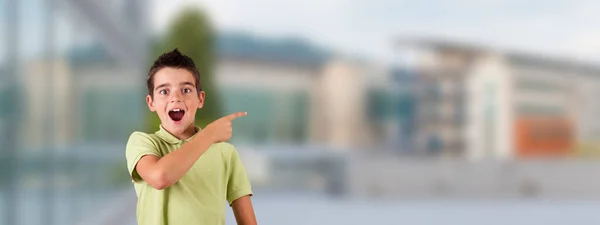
point(168, 137)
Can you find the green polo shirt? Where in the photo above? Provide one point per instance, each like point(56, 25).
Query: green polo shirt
point(199, 197)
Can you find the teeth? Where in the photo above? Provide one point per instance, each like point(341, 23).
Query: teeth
point(175, 110)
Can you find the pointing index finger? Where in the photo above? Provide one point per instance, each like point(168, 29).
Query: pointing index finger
point(236, 115)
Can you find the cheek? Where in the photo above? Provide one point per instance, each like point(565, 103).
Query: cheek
point(192, 104)
point(159, 104)
point(192, 101)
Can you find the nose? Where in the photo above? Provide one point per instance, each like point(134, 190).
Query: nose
point(176, 97)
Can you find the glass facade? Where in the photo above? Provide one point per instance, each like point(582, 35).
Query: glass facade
point(272, 116)
point(110, 115)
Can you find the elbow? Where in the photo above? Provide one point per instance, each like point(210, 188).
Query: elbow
point(159, 185)
point(160, 180)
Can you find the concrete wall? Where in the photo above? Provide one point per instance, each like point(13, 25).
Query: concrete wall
point(429, 178)
point(339, 106)
point(489, 110)
point(36, 81)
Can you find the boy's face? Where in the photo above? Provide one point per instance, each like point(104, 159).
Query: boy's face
point(175, 99)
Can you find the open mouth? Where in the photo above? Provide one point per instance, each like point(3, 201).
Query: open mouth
point(176, 114)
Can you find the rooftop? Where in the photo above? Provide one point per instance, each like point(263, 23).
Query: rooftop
point(557, 63)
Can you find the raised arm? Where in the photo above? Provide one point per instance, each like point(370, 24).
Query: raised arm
point(163, 172)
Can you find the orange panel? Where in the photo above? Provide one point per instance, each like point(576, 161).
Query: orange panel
point(543, 136)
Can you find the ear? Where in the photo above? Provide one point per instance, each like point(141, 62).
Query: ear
point(201, 97)
point(150, 103)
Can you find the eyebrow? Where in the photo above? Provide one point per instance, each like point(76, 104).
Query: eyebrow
point(187, 83)
point(161, 86)
point(182, 83)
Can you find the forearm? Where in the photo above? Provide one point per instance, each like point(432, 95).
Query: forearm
point(243, 211)
point(177, 163)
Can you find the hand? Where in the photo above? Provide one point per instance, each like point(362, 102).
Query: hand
point(220, 130)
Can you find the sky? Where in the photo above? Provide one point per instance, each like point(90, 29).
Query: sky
point(369, 27)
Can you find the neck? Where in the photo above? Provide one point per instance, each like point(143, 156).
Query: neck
point(188, 133)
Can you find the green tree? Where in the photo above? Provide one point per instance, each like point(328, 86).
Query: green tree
point(192, 33)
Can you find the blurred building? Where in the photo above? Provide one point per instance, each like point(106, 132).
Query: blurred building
point(272, 80)
point(391, 106)
point(298, 93)
point(440, 93)
point(109, 95)
point(481, 102)
point(86, 96)
point(57, 138)
point(48, 98)
point(339, 113)
point(91, 82)
point(5, 97)
point(294, 92)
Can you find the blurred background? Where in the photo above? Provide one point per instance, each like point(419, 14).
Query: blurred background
point(417, 112)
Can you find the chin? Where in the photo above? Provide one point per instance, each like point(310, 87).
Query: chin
point(181, 126)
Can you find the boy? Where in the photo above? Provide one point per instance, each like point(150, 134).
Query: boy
point(182, 174)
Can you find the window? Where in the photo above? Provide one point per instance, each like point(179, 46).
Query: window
point(273, 115)
point(530, 109)
point(538, 85)
point(110, 115)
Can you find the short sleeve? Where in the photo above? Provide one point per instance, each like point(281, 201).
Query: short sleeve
point(138, 145)
point(238, 184)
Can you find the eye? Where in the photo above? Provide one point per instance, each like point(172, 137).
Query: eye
point(163, 92)
point(187, 90)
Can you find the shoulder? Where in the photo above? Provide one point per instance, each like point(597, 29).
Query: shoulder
point(138, 138)
point(225, 146)
point(138, 134)
point(227, 149)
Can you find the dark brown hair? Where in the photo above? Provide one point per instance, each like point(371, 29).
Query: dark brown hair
point(173, 59)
